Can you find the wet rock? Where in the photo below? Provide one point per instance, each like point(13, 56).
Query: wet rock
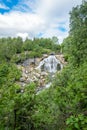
point(23, 84)
point(44, 73)
point(19, 67)
point(24, 75)
point(31, 73)
point(28, 80)
point(22, 79)
point(37, 75)
point(35, 79)
point(26, 72)
point(45, 55)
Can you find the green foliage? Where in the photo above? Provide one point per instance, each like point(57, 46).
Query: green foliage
point(16, 106)
point(15, 50)
point(71, 93)
point(55, 40)
point(75, 46)
point(28, 45)
point(9, 74)
point(9, 47)
point(35, 54)
point(77, 123)
point(24, 108)
point(46, 111)
point(61, 107)
point(71, 83)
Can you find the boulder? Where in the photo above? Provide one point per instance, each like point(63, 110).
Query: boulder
point(44, 73)
point(37, 75)
point(22, 79)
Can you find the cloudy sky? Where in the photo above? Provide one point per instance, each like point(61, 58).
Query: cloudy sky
point(35, 18)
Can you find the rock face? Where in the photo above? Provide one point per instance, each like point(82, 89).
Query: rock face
point(61, 59)
point(37, 70)
point(30, 74)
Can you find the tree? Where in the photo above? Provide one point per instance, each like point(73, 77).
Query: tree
point(55, 40)
point(78, 33)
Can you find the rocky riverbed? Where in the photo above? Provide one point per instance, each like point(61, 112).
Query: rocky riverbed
point(30, 73)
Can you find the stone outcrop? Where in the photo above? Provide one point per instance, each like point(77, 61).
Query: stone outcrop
point(31, 74)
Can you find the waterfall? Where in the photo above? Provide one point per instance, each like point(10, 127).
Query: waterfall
point(50, 64)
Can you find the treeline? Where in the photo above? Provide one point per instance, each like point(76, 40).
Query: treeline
point(15, 50)
point(65, 104)
point(61, 107)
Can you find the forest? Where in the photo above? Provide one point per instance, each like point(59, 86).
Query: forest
point(64, 105)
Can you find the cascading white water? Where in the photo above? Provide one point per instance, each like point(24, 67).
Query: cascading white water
point(50, 64)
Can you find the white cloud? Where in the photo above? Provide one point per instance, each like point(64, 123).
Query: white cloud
point(23, 35)
point(21, 22)
point(2, 6)
point(40, 16)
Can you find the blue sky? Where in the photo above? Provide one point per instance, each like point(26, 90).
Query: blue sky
point(8, 5)
point(35, 18)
